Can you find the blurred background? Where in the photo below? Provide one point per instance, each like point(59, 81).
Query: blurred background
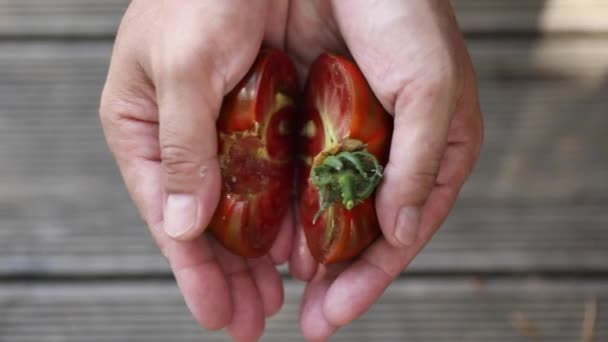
point(523, 257)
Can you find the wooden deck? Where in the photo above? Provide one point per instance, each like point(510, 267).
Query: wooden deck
point(521, 258)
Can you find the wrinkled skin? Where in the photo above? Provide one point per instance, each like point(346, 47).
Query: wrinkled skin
point(173, 62)
point(414, 58)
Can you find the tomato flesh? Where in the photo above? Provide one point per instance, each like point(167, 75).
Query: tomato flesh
point(338, 106)
point(255, 153)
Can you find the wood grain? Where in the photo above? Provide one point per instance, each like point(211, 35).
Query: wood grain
point(532, 16)
point(416, 310)
point(537, 200)
point(70, 239)
point(55, 18)
point(82, 18)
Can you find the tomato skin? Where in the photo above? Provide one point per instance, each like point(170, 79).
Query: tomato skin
point(339, 105)
point(256, 145)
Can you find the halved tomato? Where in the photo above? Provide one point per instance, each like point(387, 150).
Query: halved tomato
point(256, 145)
point(345, 139)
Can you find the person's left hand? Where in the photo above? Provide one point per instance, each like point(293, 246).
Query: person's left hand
point(414, 58)
point(172, 64)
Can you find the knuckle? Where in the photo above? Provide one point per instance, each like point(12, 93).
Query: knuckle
point(111, 114)
point(422, 182)
point(178, 160)
point(108, 107)
point(443, 77)
point(181, 63)
point(190, 56)
point(119, 110)
point(413, 185)
point(193, 65)
point(106, 115)
point(437, 86)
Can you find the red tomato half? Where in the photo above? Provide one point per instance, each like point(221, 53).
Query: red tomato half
point(255, 130)
point(339, 108)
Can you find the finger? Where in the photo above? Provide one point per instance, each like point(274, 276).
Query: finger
point(433, 165)
point(310, 33)
point(418, 144)
point(314, 325)
point(422, 98)
point(201, 60)
point(129, 117)
point(276, 21)
point(464, 144)
point(302, 265)
point(465, 138)
point(188, 145)
point(279, 253)
point(197, 273)
point(247, 322)
point(269, 284)
point(360, 285)
point(363, 282)
point(201, 281)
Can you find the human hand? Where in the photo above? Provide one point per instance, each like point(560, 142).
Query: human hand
point(415, 60)
point(172, 64)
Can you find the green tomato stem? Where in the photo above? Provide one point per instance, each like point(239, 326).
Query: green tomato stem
point(345, 180)
point(348, 177)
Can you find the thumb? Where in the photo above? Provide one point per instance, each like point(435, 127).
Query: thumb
point(418, 144)
point(189, 100)
point(192, 71)
point(419, 81)
point(191, 82)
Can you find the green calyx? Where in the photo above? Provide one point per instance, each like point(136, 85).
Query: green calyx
point(348, 176)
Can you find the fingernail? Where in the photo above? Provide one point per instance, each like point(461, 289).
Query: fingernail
point(406, 229)
point(180, 214)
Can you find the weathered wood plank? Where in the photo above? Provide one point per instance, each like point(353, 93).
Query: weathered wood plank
point(548, 16)
point(536, 202)
point(417, 310)
point(98, 18)
point(60, 17)
point(543, 103)
point(473, 240)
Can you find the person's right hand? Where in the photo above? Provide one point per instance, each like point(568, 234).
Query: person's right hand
point(173, 62)
point(415, 60)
